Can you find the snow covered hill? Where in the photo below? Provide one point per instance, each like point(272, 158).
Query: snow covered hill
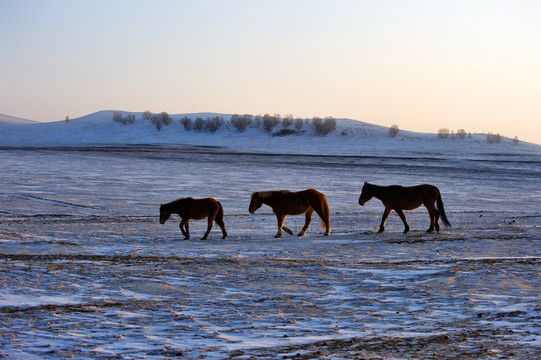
point(6, 119)
point(350, 137)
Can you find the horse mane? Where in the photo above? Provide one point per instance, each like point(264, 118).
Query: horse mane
point(262, 194)
point(176, 201)
point(268, 194)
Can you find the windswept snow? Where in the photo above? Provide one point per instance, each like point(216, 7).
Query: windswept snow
point(87, 271)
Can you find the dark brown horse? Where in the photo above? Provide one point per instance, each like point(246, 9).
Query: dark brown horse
point(399, 198)
point(285, 203)
point(196, 209)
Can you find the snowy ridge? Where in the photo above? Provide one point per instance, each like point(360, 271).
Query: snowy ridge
point(6, 119)
point(351, 137)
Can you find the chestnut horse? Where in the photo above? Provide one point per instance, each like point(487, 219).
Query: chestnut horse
point(285, 203)
point(197, 209)
point(400, 198)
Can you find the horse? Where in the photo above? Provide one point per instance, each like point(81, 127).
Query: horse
point(196, 209)
point(399, 198)
point(285, 203)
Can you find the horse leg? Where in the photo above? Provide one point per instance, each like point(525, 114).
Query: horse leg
point(184, 224)
point(403, 218)
point(325, 218)
point(219, 219)
point(433, 213)
point(287, 230)
point(281, 226)
point(209, 226)
point(308, 217)
point(280, 218)
point(187, 227)
point(221, 224)
point(386, 213)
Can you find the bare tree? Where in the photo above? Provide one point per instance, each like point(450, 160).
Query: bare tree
point(287, 121)
point(318, 125)
point(186, 122)
point(129, 119)
point(443, 133)
point(269, 122)
point(494, 138)
point(117, 117)
point(323, 127)
point(213, 124)
point(160, 120)
point(329, 124)
point(199, 124)
point(165, 118)
point(394, 130)
point(298, 124)
point(147, 115)
point(241, 122)
point(258, 120)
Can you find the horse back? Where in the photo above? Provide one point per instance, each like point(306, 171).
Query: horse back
point(293, 203)
point(430, 192)
point(197, 209)
point(314, 199)
point(409, 197)
point(317, 199)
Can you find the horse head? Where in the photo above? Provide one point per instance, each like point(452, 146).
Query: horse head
point(164, 214)
point(366, 195)
point(255, 203)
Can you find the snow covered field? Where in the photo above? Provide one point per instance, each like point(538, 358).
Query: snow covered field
point(87, 271)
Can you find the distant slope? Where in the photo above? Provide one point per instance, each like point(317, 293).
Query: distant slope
point(6, 119)
point(351, 137)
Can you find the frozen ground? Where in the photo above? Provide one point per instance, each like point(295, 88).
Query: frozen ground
point(88, 272)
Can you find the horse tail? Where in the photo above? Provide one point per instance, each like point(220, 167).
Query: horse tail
point(326, 218)
point(220, 214)
point(442, 211)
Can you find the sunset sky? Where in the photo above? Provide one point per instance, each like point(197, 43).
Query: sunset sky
point(422, 65)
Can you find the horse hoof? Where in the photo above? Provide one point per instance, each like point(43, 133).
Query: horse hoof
point(277, 236)
point(300, 234)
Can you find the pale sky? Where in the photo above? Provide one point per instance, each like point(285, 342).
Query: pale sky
point(422, 65)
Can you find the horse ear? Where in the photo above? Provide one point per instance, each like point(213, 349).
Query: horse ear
point(366, 182)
